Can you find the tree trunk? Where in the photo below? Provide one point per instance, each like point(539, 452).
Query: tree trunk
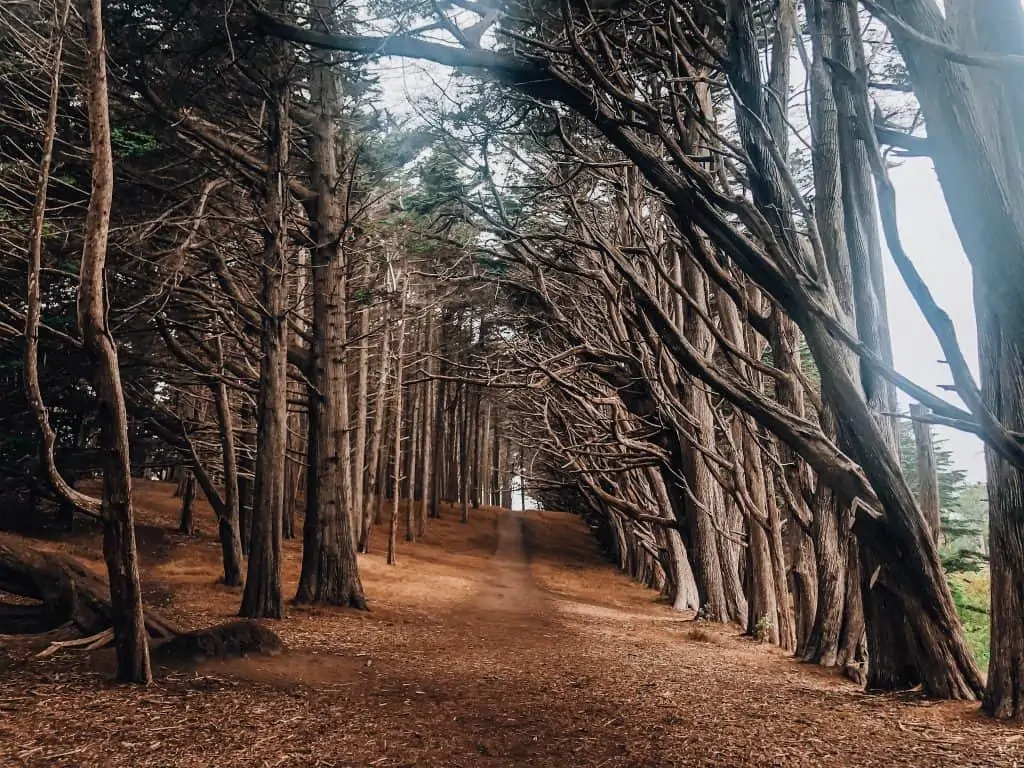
point(246, 476)
point(429, 425)
point(262, 596)
point(396, 499)
point(362, 405)
point(329, 569)
point(228, 523)
point(374, 488)
point(927, 472)
point(439, 467)
point(187, 524)
point(119, 550)
point(414, 443)
point(465, 413)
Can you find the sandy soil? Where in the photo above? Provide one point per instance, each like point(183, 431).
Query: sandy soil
point(504, 642)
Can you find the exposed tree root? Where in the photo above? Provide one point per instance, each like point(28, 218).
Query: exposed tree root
point(66, 593)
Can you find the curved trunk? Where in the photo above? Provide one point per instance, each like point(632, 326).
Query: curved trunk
point(119, 550)
point(228, 522)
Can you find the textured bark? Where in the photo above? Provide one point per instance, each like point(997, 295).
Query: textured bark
point(464, 426)
point(439, 466)
point(927, 472)
point(246, 476)
point(1002, 365)
point(777, 550)
point(262, 596)
point(974, 118)
point(705, 507)
point(329, 569)
point(830, 546)
point(396, 458)
point(228, 520)
point(429, 457)
point(890, 528)
point(902, 574)
point(415, 431)
point(69, 592)
point(119, 550)
point(374, 486)
point(362, 408)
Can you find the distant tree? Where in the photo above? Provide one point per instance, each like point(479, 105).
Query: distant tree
point(963, 508)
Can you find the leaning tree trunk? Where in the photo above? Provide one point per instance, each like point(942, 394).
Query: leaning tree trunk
point(228, 530)
point(119, 549)
point(915, 634)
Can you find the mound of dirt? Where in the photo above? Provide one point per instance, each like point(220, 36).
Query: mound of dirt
point(224, 641)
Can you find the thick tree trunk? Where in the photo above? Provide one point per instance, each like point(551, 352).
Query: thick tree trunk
point(831, 543)
point(1002, 368)
point(69, 592)
point(705, 507)
point(246, 476)
point(119, 549)
point(262, 596)
point(329, 569)
point(902, 573)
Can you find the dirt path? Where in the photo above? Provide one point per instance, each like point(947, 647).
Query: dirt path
point(474, 655)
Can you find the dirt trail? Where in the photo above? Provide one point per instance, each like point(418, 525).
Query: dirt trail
point(507, 586)
point(475, 654)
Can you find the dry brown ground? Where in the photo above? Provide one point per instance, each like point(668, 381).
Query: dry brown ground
point(502, 642)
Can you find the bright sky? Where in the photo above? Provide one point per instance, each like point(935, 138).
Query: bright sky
point(932, 243)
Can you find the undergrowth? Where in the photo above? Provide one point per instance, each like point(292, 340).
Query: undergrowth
point(971, 594)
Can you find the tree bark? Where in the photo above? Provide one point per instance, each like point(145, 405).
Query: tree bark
point(927, 472)
point(187, 523)
point(262, 596)
point(396, 499)
point(329, 568)
point(228, 522)
point(119, 550)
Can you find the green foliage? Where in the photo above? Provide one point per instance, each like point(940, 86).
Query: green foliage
point(127, 142)
point(763, 629)
point(440, 186)
point(491, 266)
point(971, 595)
point(363, 296)
point(963, 509)
point(807, 365)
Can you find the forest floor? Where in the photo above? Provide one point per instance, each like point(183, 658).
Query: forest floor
point(508, 641)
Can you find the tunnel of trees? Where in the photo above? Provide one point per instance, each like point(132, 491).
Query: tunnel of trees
point(632, 261)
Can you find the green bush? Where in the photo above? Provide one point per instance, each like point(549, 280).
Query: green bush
point(971, 595)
